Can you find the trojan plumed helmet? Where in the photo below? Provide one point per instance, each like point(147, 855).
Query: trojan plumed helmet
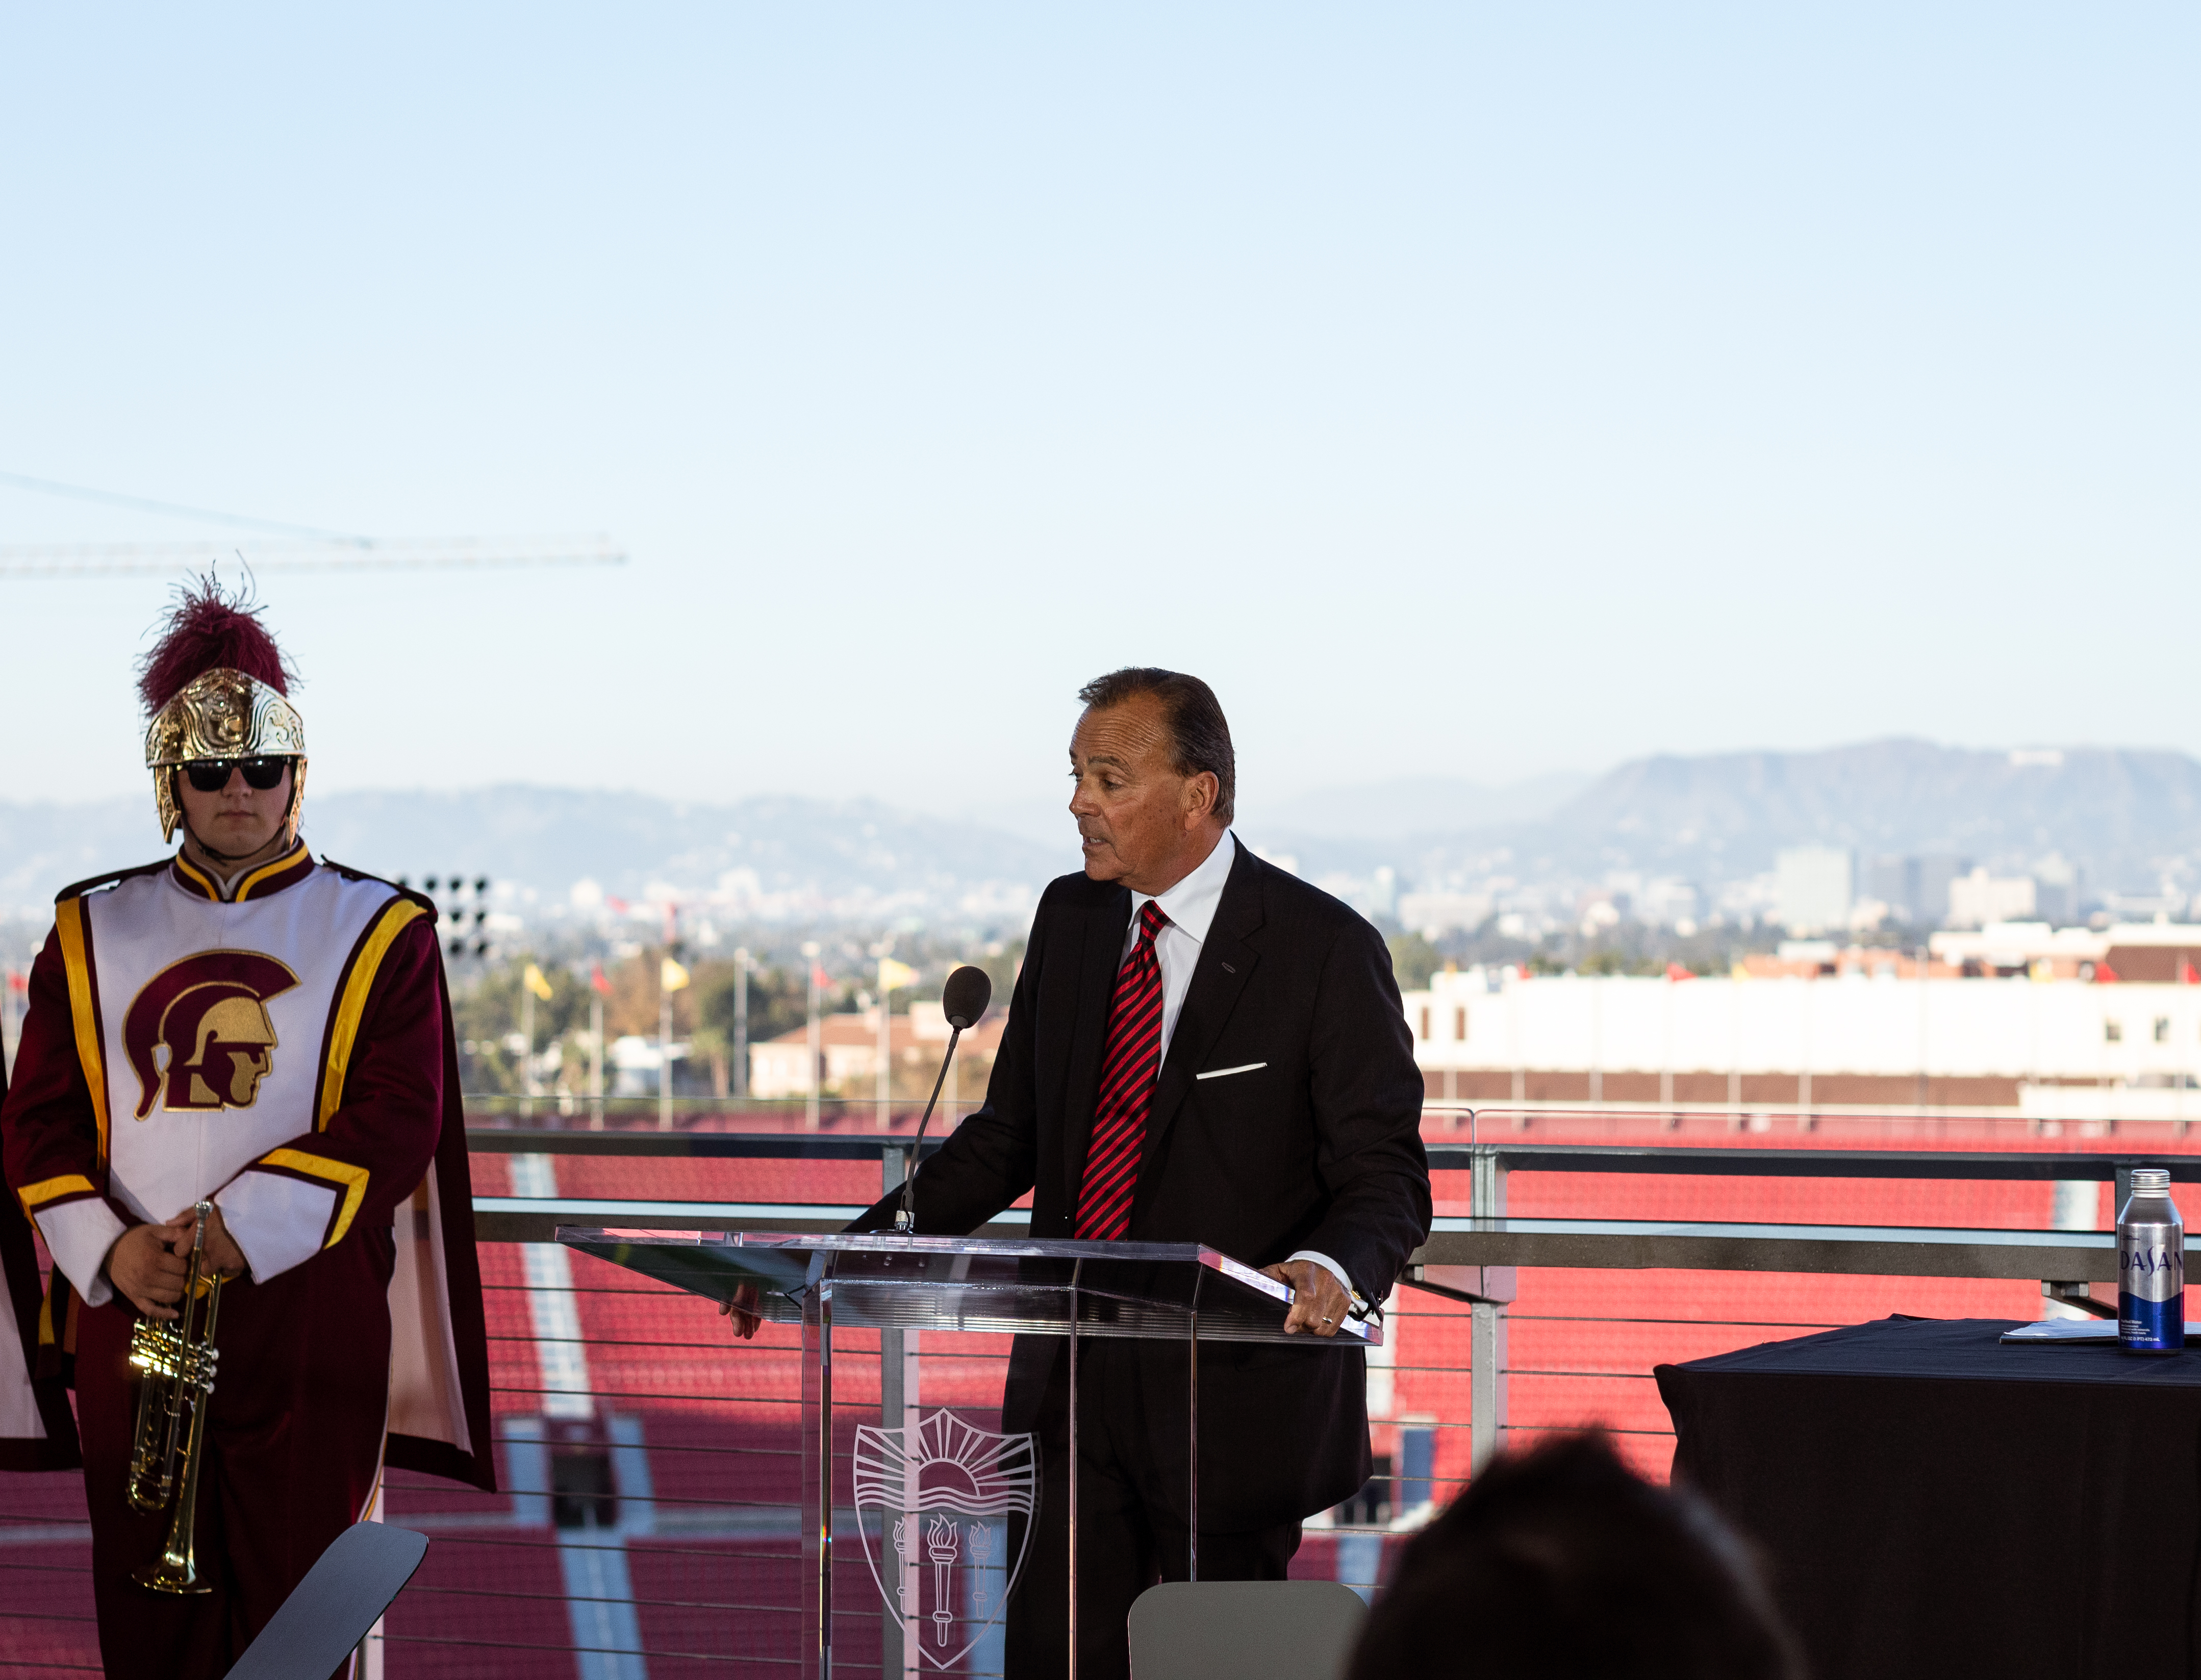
point(217, 686)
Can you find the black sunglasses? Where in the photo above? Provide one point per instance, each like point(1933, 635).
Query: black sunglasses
point(211, 775)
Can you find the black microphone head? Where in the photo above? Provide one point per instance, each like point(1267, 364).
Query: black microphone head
point(966, 996)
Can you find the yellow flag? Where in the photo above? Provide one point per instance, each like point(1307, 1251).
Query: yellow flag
point(893, 976)
point(532, 978)
point(672, 976)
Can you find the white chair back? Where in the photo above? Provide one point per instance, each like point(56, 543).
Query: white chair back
point(1245, 1630)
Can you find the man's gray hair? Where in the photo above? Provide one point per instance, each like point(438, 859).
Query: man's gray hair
point(1200, 737)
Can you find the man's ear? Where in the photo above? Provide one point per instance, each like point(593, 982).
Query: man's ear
point(1199, 795)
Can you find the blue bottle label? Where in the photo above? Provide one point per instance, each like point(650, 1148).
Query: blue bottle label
point(2151, 1326)
point(2150, 1285)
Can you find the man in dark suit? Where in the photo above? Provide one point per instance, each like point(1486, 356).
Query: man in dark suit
point(1201, 1047)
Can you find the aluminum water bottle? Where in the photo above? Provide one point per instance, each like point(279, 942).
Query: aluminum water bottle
point(2151, 1268)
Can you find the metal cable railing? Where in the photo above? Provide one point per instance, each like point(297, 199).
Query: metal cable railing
point(650, 1521)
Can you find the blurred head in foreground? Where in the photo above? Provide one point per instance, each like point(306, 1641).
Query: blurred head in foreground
point(1561, 1564)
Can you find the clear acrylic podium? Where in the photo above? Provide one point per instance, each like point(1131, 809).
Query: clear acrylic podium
point(941, 1494)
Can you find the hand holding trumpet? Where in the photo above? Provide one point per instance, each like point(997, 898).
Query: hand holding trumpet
point(148, 1263)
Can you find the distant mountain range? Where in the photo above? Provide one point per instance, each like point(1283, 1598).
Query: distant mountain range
point(1375, 812)
point(787, 858)
point(1385, 811)
point(2124, 816)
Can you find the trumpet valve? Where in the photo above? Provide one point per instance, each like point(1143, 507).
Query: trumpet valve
point(197, 1371)
point(154, 1348)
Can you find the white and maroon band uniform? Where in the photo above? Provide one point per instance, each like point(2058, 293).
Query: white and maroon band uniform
point(281, 1045)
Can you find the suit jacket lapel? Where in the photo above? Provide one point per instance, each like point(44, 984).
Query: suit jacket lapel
point(1098, 961)
point(1226, 962)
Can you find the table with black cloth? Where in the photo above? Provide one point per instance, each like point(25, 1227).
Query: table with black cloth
point(1932, 1500)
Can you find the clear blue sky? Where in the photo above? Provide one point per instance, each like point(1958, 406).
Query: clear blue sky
point(1466, 390)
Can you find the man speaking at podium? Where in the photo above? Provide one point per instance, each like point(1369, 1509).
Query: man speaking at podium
point(1201, 1047)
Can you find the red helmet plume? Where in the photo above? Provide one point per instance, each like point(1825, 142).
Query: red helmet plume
point(211, 632)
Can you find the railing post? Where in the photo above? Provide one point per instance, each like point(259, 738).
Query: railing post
point(1487, 1323)
point(1486, 1383)
point(1486, 1183)
point(899, 1651)
point(819, 1491)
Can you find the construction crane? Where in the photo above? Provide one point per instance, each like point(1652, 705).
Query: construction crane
point(278, 546)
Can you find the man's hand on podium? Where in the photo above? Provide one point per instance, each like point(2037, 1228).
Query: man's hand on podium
point(1319, 1302)
point(741, 1310)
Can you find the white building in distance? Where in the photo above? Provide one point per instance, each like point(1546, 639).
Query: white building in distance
point(848, 1052)
point(1979, 899)
point(1816, 886)
point(2062, 1049)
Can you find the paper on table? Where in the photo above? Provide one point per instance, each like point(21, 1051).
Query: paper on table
point(2080, 1331)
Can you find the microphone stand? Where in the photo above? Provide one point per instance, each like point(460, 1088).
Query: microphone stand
point(905, 1216)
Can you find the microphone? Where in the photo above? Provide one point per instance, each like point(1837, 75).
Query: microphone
point(962, 1000)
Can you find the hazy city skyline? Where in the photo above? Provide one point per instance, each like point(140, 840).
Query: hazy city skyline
point(1471, 393)
point(1892, 833)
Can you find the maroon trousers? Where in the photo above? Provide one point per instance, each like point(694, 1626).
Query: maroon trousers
point(294, 1446)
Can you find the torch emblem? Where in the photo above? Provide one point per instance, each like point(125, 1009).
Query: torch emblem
point(933, 1504)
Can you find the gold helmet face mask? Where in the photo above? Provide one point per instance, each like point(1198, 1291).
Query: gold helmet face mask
point(223, 714)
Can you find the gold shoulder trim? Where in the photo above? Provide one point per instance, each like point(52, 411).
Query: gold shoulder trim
point(391, 920)
point(75, 936)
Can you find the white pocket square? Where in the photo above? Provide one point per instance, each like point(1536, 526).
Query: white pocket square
point(1225, 1072)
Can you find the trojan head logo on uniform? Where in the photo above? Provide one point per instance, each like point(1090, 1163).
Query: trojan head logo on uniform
point(210, 1013)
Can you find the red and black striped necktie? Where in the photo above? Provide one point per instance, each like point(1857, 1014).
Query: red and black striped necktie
point(1129, 1068)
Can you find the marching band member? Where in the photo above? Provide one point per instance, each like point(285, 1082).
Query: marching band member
point(243, 1024)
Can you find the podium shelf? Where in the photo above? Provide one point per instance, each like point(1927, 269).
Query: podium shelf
point(992, 1285)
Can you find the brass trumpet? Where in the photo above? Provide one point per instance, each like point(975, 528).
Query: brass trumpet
point(176, 1360)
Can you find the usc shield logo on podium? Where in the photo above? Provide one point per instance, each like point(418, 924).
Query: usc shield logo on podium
point(942, 1493)
point(208, 1012)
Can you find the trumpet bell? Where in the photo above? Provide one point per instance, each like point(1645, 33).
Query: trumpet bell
point(172, 1571)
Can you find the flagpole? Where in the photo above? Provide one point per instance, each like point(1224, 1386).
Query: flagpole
point(810, 1108)
point(885, 1084)
point(671, 977)
point(663, 1053)
point(741, 1024)
point(595, 1060)
point(527, 1056)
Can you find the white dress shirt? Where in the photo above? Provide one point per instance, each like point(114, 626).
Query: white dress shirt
point(1190, 906)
